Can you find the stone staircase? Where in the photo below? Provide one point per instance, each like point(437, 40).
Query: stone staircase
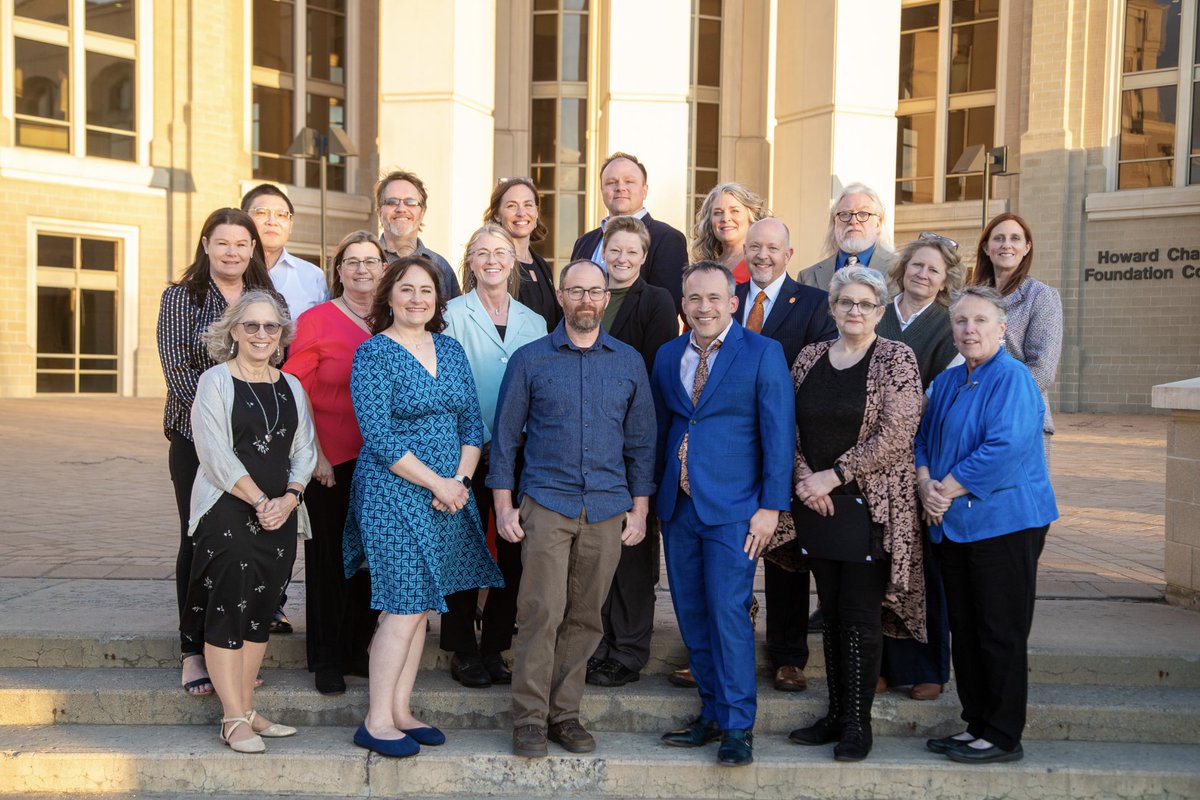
point(1114, 713)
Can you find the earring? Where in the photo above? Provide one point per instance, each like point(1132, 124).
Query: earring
point(232, 349)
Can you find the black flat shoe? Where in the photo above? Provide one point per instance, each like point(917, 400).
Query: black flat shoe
point(330, 681)
point(697, 733)
point(281, 624)
point(940, 746)
point(612, 673)
point(965, 754)
point(737, 748)
point(497, 669)
point(470, 672)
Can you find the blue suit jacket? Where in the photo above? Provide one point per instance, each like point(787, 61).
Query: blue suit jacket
point(799, 316)
point(742, 432)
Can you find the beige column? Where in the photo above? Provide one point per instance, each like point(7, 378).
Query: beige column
point(835, 110)
point(642, 90)
point(436, 96)
point(1181, 559)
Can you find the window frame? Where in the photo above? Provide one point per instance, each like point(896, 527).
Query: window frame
point(706, 95)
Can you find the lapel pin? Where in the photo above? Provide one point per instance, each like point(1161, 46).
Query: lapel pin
point(791, 300)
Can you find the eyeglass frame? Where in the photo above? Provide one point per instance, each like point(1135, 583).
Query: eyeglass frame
point(270, 213)
point(855, 215)
point(850, 305)
point(505, 254)
point(252, 328)
point(355, 263)
point(396, 202)
point(930, 236)
point(576, 293)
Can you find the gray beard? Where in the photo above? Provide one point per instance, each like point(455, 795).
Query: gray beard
point(855, 242)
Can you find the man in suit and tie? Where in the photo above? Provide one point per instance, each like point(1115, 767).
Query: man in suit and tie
point(773, 304)
point(726, 440)
point(856, 236)
point(623, 190)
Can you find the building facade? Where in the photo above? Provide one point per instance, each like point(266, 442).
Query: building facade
point(123, 123)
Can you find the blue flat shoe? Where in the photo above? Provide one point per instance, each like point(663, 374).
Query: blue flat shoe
point(428, 735)
point(395, 748)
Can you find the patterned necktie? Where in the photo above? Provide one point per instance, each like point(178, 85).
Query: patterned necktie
point(755, 321)
point(697, 390)
point(852, 261)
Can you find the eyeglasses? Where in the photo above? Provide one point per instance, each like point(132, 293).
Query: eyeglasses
point(355, 263)
point(577, 292)
point(861, 216)
point(252, 328)
point(864, 306)
point(513, 178)
point(396, 202)
point(501, 255)
point(261, 213)
point(929, 236)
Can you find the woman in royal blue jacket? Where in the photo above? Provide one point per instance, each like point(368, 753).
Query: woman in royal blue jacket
point(983, 483)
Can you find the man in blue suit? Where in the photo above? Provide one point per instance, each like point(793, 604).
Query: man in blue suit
point(794, 315)
point(726, 438)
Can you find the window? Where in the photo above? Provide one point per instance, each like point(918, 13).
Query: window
point(947, 96)
point(299, 80)
point(559, 121)
point(77, 279)
point(1160, 95)
point(75, 76)
point(705, 99)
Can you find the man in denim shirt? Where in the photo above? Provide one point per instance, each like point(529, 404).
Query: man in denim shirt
point(583, 400)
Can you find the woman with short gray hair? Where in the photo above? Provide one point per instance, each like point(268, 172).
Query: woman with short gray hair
point(254, 440)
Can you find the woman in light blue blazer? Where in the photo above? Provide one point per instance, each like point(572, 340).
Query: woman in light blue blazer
point(983, 483)
point(491, 325)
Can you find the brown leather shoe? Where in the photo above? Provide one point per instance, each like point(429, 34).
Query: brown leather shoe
point(529, 741)
point(925, 691)
point(881, 685)
point(571, 736)
point(682, 678)
point(790, 679)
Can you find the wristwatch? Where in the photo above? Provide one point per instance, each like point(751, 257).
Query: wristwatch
point(465, 480)
point(299, 495)
point(841, 476)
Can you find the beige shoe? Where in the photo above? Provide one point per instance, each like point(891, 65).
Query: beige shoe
point(254, 744)
point(274, 731)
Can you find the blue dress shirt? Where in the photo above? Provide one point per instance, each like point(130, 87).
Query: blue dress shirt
point(864, 258)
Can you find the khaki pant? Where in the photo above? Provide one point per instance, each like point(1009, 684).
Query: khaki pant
point(568, 569)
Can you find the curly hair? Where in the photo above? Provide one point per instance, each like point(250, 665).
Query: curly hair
point(381, 307)
point(955, 274)
point(219, 341)
point(705, 244)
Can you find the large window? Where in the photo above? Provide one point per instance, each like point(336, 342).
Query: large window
point(705, 99)
point(299, 78)
point(1160, 95)
point(559, 121)
point(75, 76)
point(947, 96)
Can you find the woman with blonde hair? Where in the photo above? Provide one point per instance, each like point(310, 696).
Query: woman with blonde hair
point(722, 223)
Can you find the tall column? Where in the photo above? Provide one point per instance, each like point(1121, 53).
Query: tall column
point(436, 97)
point(835, 110)
point(643, 99)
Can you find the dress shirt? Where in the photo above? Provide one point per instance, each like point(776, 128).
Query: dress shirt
point(772, 289)
point(691, 358)
point(904, 323)
point(302, 283)
point(864, 258)
point(589, 422)
point(598, 255)
point(183, 354)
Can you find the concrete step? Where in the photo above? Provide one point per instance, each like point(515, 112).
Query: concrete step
point(149, 696)
point(324, 762)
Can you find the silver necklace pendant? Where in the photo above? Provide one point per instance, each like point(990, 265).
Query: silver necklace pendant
point(268, 437)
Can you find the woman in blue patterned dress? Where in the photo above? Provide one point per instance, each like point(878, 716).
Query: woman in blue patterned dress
point(412, 517)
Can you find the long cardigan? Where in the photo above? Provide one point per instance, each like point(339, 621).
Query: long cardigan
point(220, 468)
point(882, 464)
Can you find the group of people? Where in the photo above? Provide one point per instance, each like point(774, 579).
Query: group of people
point(509, 448)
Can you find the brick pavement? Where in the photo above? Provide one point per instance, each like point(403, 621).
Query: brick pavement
point(84, 493)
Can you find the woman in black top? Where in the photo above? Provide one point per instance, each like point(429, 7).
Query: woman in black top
point(926, 273)
point(228, 262)
point(516, 206)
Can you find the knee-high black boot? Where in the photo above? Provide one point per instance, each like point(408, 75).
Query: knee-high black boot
point(829, 727)
point(862, 648)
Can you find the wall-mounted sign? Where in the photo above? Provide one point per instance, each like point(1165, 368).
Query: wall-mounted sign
point(1142, 265)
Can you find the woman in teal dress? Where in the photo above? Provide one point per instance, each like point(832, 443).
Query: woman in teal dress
point(412, 517)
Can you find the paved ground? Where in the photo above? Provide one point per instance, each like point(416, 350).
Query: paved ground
point(84, 493)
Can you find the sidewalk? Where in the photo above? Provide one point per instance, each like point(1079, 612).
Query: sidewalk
point(84, 493)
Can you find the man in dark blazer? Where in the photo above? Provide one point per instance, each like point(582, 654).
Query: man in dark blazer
point(726, 441)
point(795, 316)
point(855, 237)
point(623, 190)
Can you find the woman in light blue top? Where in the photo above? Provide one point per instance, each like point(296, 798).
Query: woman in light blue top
point(490, 325)
point(982, 479)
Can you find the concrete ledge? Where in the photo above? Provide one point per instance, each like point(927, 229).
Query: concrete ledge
point(1177, 396)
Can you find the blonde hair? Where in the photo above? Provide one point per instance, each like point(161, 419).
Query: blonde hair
point(705, 244)
point(489, 229)
point(956, 276)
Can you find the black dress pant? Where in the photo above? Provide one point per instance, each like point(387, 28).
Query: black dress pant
point(628, 612)
point(851, 592)
point(500, 610)
point(990, 589)
point(182, 464)
point(337, 611)
point(786, 595)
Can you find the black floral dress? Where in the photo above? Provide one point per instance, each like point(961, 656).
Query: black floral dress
point(239, 569)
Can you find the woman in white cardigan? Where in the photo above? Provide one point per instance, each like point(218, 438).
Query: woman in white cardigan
point(254, 440)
